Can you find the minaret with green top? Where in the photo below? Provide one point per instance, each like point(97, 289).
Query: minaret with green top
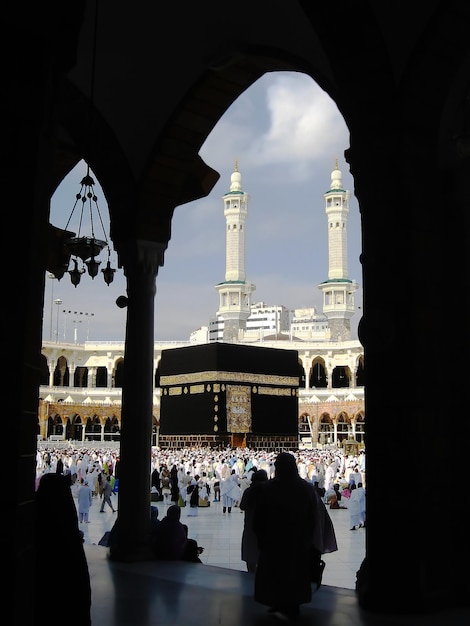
point(235, 292)
point(338, 290)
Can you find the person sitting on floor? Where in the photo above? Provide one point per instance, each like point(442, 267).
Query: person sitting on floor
point(171, 538)
point(192, 551)
point(334, 504)
point(154, 522)
point(329, 493)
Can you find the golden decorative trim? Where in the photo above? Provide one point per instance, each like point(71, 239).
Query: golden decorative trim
point(274, 391)
point(175, 391)
point(196, 389)
point(236, 377)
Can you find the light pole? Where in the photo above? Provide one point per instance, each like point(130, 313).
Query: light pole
point(75, 330)
point(58, 302)
point(88, 324)
point(64, 311)
point(79, 320)
point(51, 278)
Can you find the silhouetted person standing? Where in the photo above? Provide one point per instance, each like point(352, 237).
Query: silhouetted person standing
point(290, 521)
point(249, 545)
point(60, 466)
point(58, 540)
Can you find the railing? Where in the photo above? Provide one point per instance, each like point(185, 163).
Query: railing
point(76, 444)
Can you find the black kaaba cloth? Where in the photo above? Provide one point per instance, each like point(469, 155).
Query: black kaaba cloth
point(222, 388)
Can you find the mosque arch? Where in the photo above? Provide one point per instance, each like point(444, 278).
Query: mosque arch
point(112, 429)
point(318, 374)
point(55, 426)
point(216, 86)
point(62, 373)
point(76, 427)
point(318, 367)
point(101, 376)
point(67, 428)
point(118, 373)
point(360, 373)
point(343, 426)
point(44, 370)
point(80, 376)
point(359, 427)
point(326, 429)
point(304, 423)
point(155, 430)
point(424, 133)
point(93, 428)
point(341, 377)
point(301, 374)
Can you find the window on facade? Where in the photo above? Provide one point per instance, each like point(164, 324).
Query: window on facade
point(101, 376)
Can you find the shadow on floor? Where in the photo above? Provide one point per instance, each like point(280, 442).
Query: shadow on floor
point(158, 593)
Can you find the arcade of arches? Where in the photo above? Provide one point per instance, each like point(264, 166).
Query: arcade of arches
point(322, 421)
point(399, 74)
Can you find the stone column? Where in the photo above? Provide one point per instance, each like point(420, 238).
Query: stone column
point(141, 262)
point(307, 363)
point(92, 379)
point(415, 242)
point(52, 366)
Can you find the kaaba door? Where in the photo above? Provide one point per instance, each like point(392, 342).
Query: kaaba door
point(238, 440)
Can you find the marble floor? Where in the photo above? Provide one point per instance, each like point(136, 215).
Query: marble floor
point(220, 535)
point(220, 592)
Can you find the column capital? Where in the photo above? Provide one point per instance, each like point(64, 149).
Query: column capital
point(142, 255)
point(141, 260)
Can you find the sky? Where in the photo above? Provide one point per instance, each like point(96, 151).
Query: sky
point(285, 133)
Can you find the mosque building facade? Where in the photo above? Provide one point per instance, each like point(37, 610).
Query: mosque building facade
point(80, 393)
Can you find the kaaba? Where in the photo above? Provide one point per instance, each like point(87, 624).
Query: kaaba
point(227, 389)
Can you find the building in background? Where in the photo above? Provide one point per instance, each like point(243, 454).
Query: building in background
point(81, 392)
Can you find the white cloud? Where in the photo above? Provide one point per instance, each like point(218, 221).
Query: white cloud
point(284, 119)
point(303, 121)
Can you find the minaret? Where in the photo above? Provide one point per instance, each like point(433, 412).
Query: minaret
point(235, 292)
point(338, 290)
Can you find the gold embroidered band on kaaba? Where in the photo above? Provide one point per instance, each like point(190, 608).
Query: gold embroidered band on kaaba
point(239, 377)
point(262, 391)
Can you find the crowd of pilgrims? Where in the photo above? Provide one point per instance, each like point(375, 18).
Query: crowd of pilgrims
point(172, 471)
point(196, 476)
point(253, 480)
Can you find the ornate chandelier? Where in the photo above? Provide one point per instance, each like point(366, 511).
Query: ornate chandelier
point(79, 248)
point(84, 249)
